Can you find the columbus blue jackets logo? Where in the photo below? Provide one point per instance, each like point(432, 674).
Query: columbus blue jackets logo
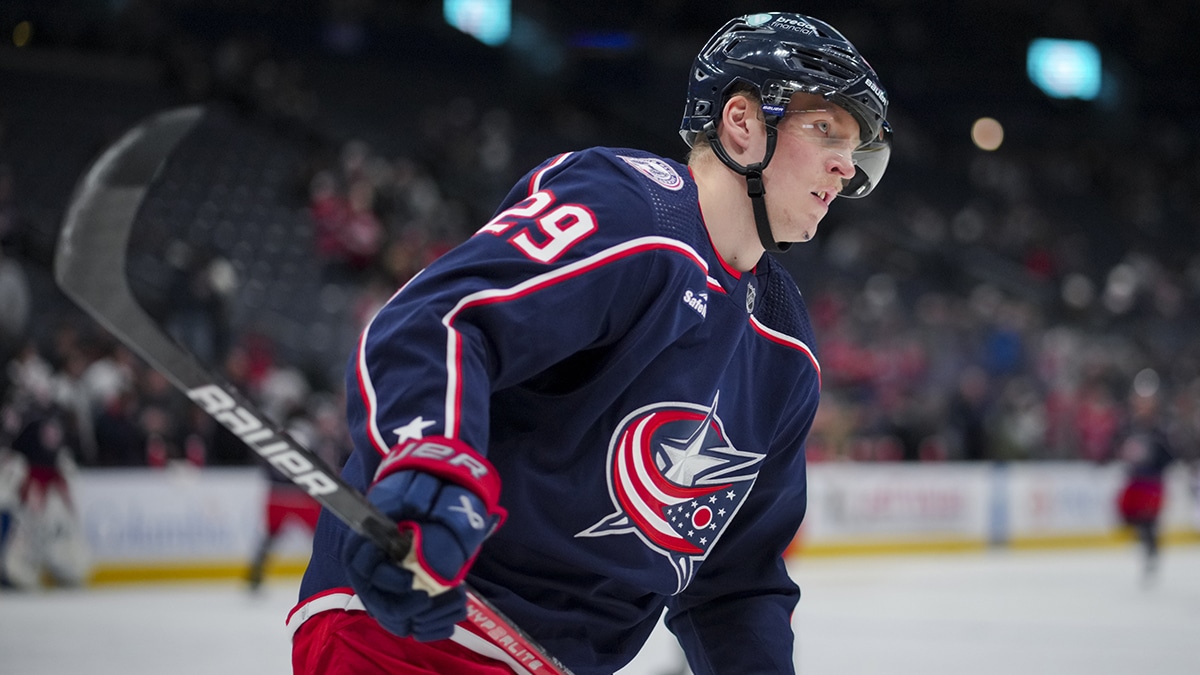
point(676, 481)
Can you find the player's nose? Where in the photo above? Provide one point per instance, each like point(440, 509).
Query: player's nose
point(841, 163)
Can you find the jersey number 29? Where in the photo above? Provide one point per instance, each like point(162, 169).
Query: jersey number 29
point(559, 226)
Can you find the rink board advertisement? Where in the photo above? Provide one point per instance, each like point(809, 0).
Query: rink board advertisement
point(1061, 500)
point(178, 514)
point(187, 522)
point(861, 508)
point(179, 520)
point(1065, 502)
point(884, 505)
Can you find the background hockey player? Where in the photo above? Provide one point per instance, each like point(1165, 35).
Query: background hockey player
point(41, 533)
point(1145, 449)
point(318, 427)
point(596, 407)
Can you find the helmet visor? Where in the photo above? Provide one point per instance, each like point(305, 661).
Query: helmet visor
point(870, 157)
point(870, 161)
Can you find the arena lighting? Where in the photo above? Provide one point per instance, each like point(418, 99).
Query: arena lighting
point(22, 33)
point(1064, 68)
point(987, 133)
point(489, 21)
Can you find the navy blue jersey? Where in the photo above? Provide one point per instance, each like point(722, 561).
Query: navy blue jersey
point(644, 404)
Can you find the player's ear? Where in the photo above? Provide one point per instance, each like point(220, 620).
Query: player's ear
point(740, 124)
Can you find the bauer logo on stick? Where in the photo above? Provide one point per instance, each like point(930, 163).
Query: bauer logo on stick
point(267, 442)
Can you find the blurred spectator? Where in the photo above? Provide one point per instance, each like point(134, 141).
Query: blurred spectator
point(223, 447)
point(361, 233)
point(349, 235)
point(327, 208)
point(30, 376)
point(70, 393)
point(1097, 421)
point(282, 390)
point(120, 440)
point(966, 419)
point(164, 419)
point(197, 301)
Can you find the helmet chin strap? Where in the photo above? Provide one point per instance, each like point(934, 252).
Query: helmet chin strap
point(754, 183)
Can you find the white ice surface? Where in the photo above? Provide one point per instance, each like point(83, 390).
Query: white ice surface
point(1002, 613)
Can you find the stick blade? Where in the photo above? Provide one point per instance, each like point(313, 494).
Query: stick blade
point(96, 228)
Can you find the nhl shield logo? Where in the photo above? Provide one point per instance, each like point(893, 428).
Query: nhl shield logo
point(676, 482)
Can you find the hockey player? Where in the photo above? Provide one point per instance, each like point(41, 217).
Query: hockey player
point(317, 427)
point(596, 407)
point(1146, 450)
point(14, 469)
point(42, 534)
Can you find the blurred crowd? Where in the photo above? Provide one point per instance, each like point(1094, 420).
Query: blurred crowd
point(108, 408)
point(1014, 308)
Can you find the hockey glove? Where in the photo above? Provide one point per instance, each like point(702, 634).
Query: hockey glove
point(447, 496)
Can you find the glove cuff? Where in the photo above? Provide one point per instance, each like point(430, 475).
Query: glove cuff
point(450, 460)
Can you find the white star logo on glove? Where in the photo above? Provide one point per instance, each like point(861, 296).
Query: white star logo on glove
point(413, 431)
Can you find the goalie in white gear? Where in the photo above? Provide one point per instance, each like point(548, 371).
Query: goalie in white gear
point(41, 535)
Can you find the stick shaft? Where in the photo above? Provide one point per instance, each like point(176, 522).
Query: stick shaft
point(89, 266)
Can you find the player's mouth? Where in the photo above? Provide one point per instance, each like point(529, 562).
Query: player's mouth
point(826, 196)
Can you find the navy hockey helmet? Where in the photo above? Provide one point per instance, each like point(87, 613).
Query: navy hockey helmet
point(777, 55)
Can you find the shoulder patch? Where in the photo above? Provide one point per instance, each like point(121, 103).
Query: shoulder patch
point(657, 170)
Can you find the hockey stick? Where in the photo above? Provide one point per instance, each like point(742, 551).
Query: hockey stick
point(89, 266)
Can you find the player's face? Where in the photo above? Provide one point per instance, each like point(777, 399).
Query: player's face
point(813, 158)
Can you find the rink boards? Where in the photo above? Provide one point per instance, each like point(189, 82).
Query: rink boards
point(182, 522)
point(887, 507)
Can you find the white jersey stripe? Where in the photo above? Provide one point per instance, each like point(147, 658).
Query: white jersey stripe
point(536, 183)
point(787, 340)
point(366, 386)
point(532, 285)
